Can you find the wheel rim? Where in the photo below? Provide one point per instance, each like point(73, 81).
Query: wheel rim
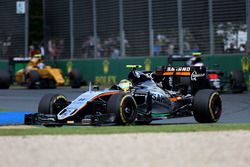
point(128, 110)
point(59, 104)
point(215, 107)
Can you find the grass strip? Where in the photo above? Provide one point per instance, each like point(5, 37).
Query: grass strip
point(82, 130)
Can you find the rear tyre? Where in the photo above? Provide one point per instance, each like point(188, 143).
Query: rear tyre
point(207, 106)
point(124, 108)
point(237, 81)
point(52, 83)
point(32, 80)
point(4, 80)
point(75, 78)
point(47, 84)
point(52, 104)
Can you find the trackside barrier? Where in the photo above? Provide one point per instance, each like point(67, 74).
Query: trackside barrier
point(109, 71)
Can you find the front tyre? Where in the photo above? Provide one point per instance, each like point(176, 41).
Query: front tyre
point(52, 104)
point(124, 108)
point(207, 106)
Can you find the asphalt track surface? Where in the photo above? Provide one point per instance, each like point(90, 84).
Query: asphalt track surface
point(236, 107)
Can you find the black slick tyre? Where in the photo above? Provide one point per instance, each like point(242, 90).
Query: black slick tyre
point(47, 84)
point(52, 104)
point(207, 106)
point(75, 78)
point(33, 78)
point(51, 83)
point(237, 81)
point(4, 80)
point(123, 106)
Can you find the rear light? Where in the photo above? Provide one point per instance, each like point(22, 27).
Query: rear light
point(213, 76)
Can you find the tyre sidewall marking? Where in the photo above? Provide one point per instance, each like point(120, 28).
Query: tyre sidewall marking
point(60, 97)
point(210, 107)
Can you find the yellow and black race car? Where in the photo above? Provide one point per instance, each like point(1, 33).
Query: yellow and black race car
point(38, 75)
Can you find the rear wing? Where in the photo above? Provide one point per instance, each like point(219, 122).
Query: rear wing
point(178, 58)
point(196, 76)
point(15, 63)
point(175, 71)
point(184, 71)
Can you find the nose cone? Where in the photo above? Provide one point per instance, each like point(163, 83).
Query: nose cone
point(66, 113)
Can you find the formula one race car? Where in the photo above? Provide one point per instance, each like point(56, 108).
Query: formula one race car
point(139, 99)
point(234, 81)
point(38, 75)
point(218, 80)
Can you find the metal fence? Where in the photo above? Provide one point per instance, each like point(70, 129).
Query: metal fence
point(13, 37)
point(119, 28)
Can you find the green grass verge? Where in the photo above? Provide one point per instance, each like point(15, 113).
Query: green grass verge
point(68, 130)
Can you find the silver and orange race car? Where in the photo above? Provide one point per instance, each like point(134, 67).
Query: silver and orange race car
point(139, 99)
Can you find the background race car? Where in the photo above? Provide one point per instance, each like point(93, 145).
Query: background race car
point(233, 81)
point(221, 81)
point(36, 74)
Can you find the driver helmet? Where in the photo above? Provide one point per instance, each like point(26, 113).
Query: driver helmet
point(38, 56)
point(125, 84)
point(196, 57)
point(196, 61)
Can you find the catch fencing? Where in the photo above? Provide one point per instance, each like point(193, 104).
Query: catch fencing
point(12, 29)
point(85, 29)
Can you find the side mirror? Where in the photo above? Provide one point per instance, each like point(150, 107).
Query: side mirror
point(96, 88)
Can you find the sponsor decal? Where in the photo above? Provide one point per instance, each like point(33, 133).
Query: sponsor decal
point(105, 64)
point(179, 69)
point(195, 75)
point(69, 66)
point(183, 69)
point(147, 64)
point(245, 63)
point(105, 79)
point(159, 98)
point(82, 99)
point(110, 79)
